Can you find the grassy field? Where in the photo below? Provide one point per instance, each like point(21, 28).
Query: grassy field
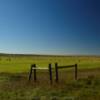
point(19, 64)
point(14, 84)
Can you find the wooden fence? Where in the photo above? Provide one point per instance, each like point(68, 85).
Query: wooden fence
point(34, 69)
point(64, 67)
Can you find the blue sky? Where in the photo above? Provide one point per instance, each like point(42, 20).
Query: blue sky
point(50, 26)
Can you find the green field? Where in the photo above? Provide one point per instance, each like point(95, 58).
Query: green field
point(14, 64)
point(14, 84)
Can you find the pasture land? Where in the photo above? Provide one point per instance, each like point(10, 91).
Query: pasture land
point(14, 84)
point(19, 63)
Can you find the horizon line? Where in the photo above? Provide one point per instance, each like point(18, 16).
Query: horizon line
point(47, 54)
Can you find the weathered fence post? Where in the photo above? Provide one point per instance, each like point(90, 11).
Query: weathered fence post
point(34, 69)
point(75, 71)
point(56, 69)
point(50, 73)
point(30, 74)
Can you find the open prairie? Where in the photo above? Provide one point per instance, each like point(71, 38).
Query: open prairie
point(14, 73)
point(21, 63)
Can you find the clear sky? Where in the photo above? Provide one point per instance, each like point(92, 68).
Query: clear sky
point(50, 26)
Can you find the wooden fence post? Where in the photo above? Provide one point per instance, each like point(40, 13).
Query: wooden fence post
point(75, 71)
point(34, 69)
point(30, 74)
point(50, 73)
point(56, 69)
